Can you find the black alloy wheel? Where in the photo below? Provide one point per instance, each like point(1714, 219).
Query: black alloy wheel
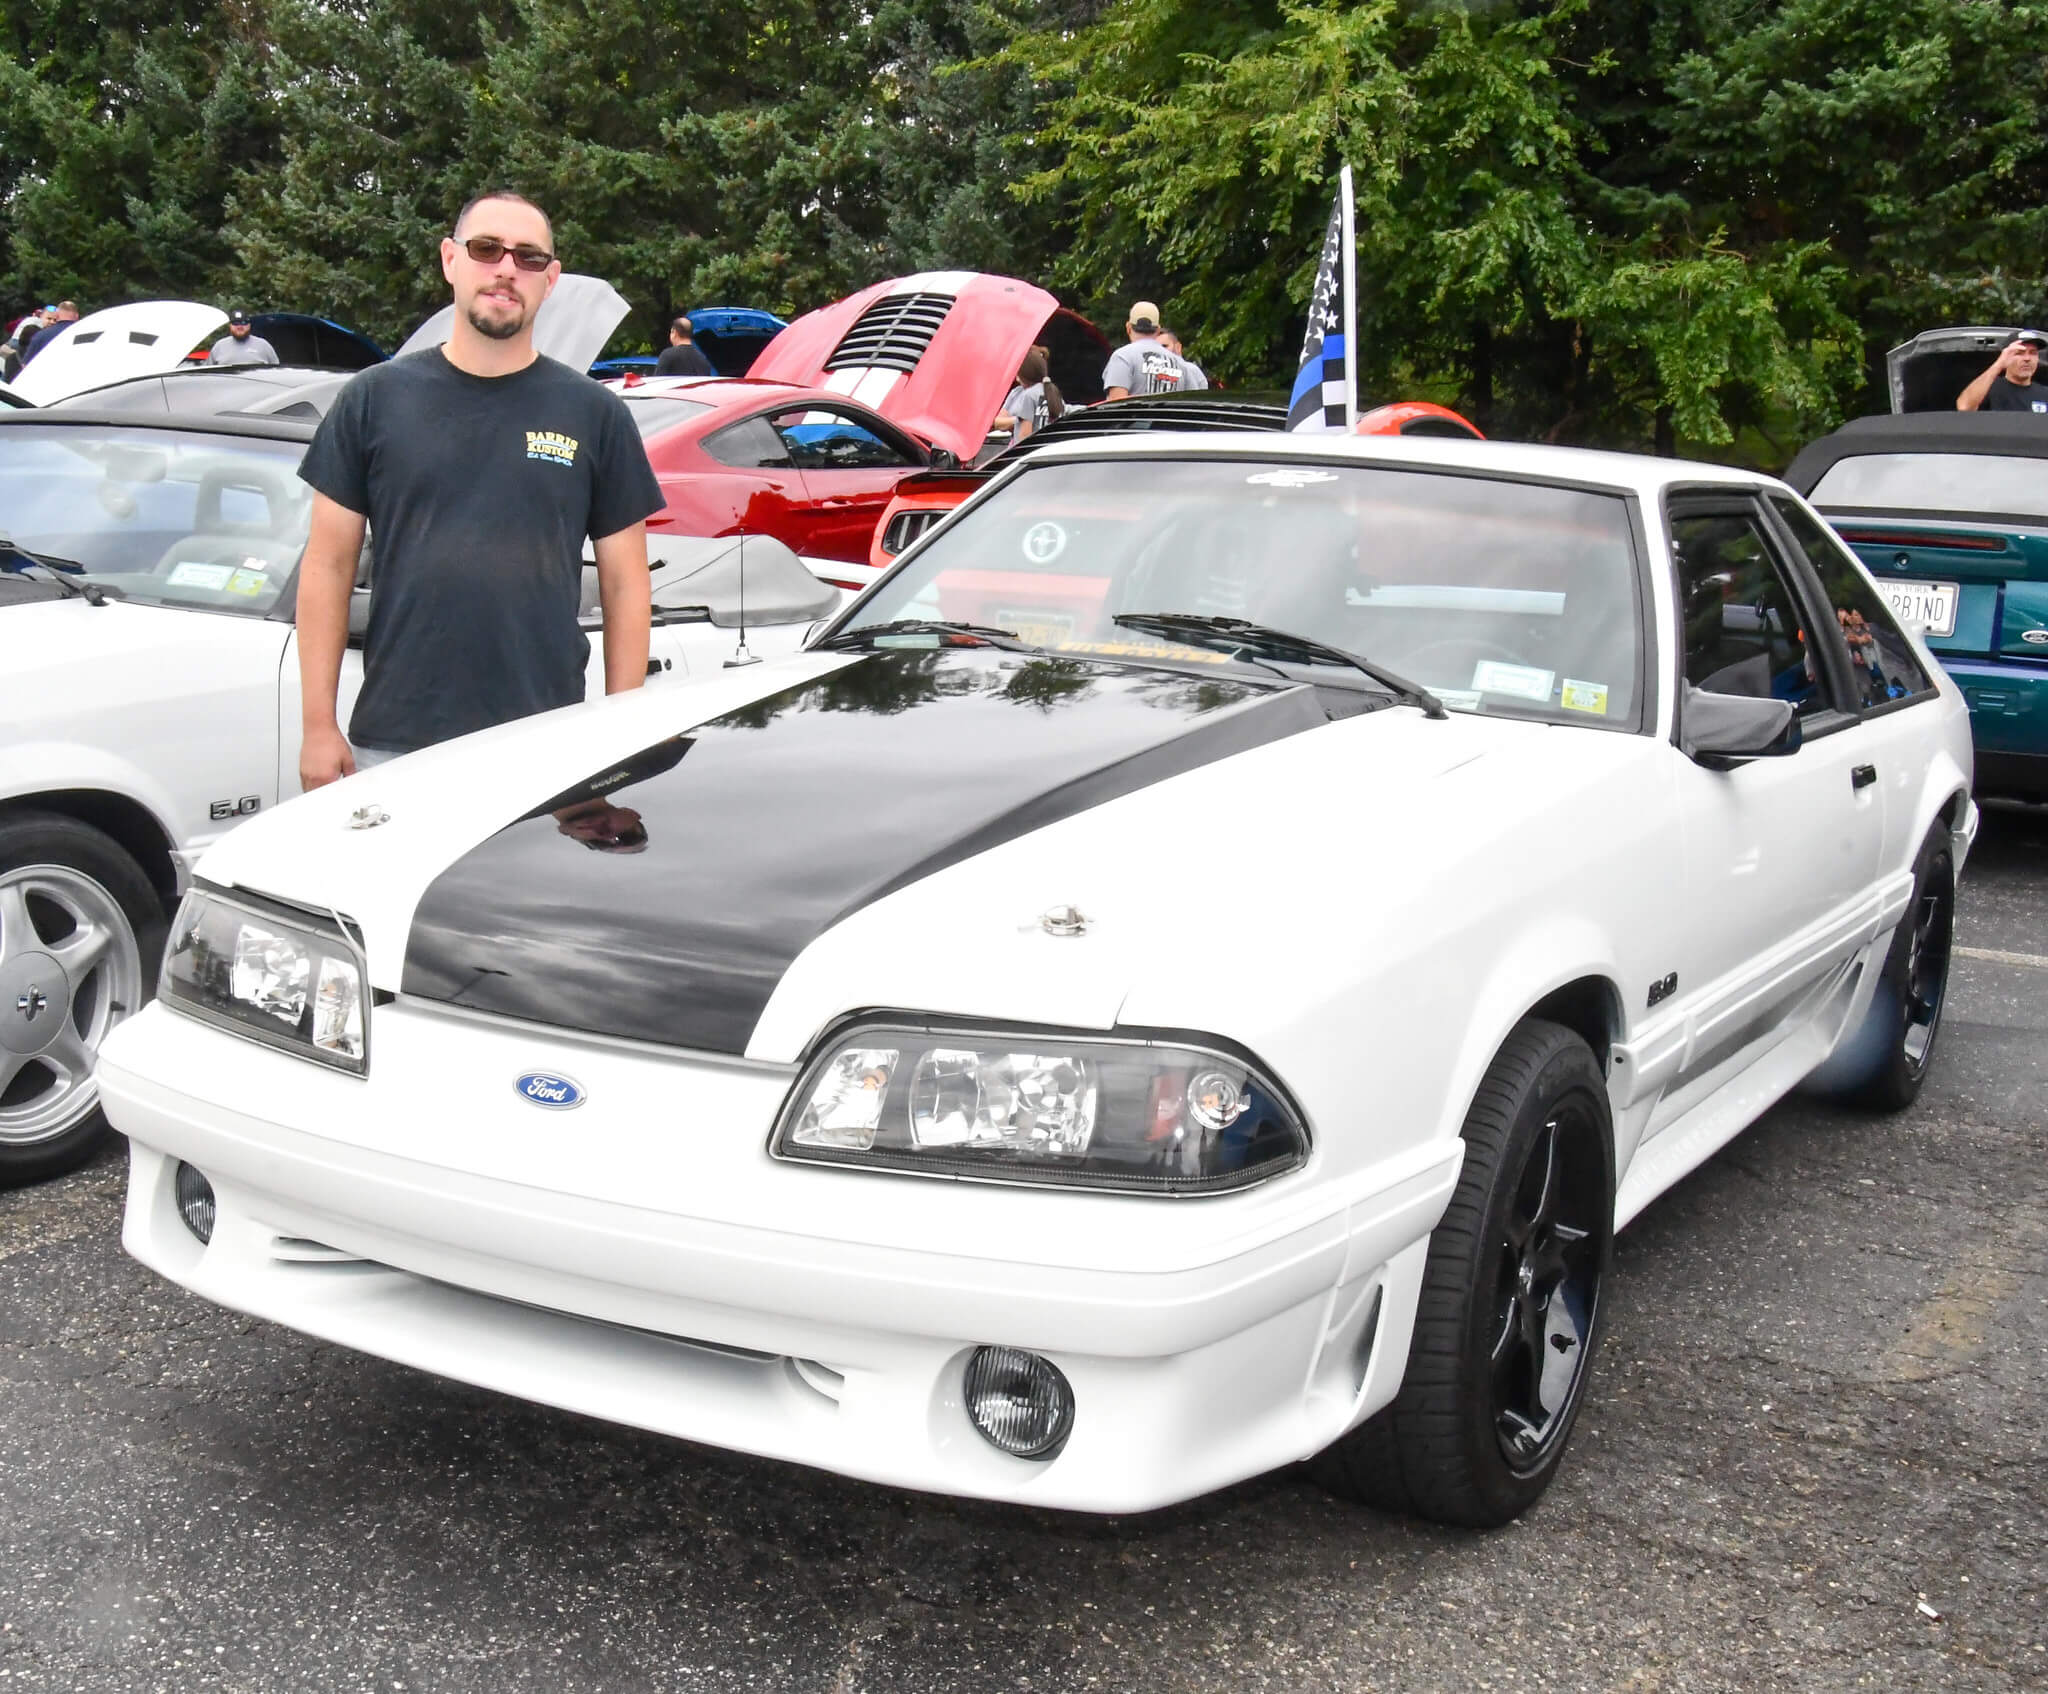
point(1510, 1309)
point(1907, 1004)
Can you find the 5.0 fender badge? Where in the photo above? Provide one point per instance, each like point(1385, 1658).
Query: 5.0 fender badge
point(546, 1088)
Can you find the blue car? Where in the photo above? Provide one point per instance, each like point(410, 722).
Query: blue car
point(1950, 512)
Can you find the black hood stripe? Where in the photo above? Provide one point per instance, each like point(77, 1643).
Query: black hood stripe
point(664, 897)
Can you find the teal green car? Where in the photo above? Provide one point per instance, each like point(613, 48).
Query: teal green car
point(1950, 512)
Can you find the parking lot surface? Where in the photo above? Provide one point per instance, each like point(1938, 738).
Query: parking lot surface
point(1812, 1458)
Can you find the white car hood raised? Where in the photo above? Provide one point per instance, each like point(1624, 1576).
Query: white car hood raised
point(572, 325)
point(145, 339)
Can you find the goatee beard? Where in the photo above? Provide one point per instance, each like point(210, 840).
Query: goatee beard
point(498, 329)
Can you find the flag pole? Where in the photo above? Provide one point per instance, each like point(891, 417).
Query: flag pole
point(1350, 305)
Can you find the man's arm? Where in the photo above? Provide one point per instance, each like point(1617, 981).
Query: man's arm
point(1975, 395)
point(327, 573)
point(622, 590)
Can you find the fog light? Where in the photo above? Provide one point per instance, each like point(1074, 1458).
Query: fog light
point(195, 1202)
point(1020, 1402)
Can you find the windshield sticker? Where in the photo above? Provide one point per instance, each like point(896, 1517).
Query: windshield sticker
point(1585, 696)
point(247, 582)
point(1458, 699)
point(193, 573)
point(1290, 478)
point(1525, 682)
point(1044, 542)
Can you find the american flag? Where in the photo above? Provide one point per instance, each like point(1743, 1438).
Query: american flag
point(1325, 393)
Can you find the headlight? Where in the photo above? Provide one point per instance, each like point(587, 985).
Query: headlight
point(272, 973)
point(1143, 1115)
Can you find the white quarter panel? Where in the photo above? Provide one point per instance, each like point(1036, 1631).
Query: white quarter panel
point(174, 708)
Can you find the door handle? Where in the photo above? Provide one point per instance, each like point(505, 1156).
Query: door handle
point(835, 500)
point(1862, 776)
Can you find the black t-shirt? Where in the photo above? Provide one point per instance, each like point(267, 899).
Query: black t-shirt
point(480, 492)
point(2006, 396)
point(683, 359)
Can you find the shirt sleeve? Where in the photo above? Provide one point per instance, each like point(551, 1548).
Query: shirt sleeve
point(623, 488)
point(1117, 373)
point(338, 462)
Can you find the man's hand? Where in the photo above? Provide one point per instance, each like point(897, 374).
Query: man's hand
point(324, 757)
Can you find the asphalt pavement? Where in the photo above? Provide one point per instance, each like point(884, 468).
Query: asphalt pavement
point(1813, 1458)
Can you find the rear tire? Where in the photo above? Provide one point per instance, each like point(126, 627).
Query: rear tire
point(81, 934)
point(1913, 989)
point(1510, 1308)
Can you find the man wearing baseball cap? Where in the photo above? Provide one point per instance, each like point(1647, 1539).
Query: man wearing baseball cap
point(239, 346)
point(1144, 364)
point(2009, 383)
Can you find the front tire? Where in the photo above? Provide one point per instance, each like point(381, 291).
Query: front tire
point(1510, 1308)
point(80, 934)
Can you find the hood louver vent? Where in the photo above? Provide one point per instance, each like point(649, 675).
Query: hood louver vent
point(892, 334)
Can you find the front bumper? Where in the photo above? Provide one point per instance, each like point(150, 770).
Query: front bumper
point(642, 1259)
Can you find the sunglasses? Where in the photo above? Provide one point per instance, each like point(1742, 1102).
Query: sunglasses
point(488, 250)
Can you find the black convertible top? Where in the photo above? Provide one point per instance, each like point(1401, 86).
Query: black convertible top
point(187, 423)
point(2019, 435)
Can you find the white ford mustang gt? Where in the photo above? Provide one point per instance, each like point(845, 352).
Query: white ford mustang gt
point(1187, 974)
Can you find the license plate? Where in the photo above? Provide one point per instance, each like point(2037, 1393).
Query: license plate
point(1932, 605)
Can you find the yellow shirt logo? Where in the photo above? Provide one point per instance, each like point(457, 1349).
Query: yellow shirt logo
point(552, 446)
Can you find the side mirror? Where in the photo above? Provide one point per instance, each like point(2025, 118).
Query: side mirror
point(1721, 731)
point(358, 616)
point(944, 459)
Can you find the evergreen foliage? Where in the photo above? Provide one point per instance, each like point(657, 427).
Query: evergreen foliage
point(1631, 222)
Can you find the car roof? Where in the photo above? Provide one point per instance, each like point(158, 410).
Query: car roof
point(2019, 435)
point(1636, 473)
point(185, 423)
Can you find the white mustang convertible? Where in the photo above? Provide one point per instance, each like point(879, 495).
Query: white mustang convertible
point(1188, 974)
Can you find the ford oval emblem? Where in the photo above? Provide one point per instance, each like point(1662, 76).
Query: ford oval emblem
point(545, 1088)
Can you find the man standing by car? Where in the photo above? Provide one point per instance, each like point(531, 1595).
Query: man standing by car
point(1144, 365)
point(682, 357)
point(61, 316)
point(2009, 383)
point(239, 346)
point(481, 467)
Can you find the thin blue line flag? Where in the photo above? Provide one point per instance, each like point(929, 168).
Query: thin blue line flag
point(1321, 396)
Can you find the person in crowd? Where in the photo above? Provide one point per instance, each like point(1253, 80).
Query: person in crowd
point(2010, 383)
point(1144, 364)
point(482, 468)
point(682, 356)
point(65, 312)
point(1035, 401)
point(240, 346)
point(1197, 377)
point(19, 337)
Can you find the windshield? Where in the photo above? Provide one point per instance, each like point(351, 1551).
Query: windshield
point(1937, 482)
point(162, 516)
point(1500, 597)
point(658, 412)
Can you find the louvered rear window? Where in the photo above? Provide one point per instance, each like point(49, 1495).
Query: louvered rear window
point(892, 333)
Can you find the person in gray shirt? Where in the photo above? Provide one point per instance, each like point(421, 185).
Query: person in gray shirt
point(239, 346)
point(1144, 364)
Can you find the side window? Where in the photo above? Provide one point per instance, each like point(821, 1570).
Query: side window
point(749, 445)
point(822, 439)
point(1883, 660)
point(1743, 631)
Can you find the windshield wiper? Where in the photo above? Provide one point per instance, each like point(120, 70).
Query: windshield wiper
point(1269, 643)
point(59, 571)
point(985, 634)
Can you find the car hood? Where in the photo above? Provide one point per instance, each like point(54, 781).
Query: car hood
point(145, 339)
point(786, 844)
point(572, 326)
point(937, 352)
